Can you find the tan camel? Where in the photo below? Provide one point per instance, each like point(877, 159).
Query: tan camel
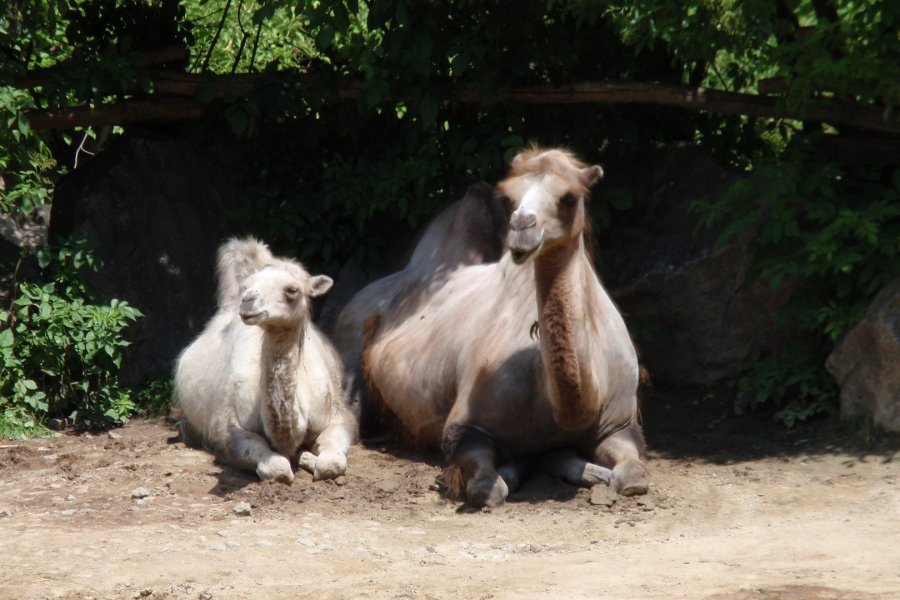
point(470, 231)
point(261, 384)
point(462, 371)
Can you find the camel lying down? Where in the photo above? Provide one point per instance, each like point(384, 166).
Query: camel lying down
point(517, 363)
point(261, 386)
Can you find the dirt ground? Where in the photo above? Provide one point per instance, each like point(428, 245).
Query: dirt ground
point(739, 510)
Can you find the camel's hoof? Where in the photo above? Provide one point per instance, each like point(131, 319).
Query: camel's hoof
point(275, 467)
point(488, 492)
point(630, 479)
point(329, 465)
point(595, 474)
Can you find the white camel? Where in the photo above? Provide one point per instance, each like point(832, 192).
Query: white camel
point(261, 386)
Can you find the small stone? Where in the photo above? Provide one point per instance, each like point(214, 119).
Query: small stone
point(241, 509)
point(56, 424)
point(138, 493)
point(5, 513)
point(217, 547)
point(389, 485)
point(70, 497)
point(113, 435)
point(68, 512)
point(602, 495)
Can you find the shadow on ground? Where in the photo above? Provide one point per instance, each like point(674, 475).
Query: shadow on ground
point(699, 424)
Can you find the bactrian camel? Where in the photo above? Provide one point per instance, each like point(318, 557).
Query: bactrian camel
point(520, 362)
point(261, 386)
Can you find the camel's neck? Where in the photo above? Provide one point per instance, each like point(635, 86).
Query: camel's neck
point(561, 295)
point(280, 357)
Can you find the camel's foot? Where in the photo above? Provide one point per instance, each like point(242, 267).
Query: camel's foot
point(328, 465)
point(489, 490)
point(594, 474)
point(573, 469)
point(630, 479)
point(275, 467)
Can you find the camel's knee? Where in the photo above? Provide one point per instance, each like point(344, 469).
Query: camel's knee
point(330, 465)
point(275, 467)
point(622, 452)
point(486, 489)
point(630, 478)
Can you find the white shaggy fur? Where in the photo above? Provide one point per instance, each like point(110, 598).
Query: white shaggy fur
point(259, 392)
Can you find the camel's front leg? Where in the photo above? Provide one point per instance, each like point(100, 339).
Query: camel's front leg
point(573, 469)
point(476, 458)
point(250, 451)
point(622, 452)
point(329, 457)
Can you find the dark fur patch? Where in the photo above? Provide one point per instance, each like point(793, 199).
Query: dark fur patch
point(564, 369)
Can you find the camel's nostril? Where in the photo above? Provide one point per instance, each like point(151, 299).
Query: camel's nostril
point(522, 220)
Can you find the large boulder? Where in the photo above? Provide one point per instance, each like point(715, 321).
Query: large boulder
point(694, 315)
point(866, 363)
point(154, 209)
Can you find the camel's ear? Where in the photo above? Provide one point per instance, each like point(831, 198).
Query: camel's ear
point(319, 284)
point(591, 175)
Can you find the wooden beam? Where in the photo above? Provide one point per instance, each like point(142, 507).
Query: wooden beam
point(654, 94)
point(151, 109)
point(42, 77)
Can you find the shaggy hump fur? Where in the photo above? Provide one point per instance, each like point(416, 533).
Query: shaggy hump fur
point(261, 386)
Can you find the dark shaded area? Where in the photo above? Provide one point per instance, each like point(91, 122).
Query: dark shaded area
point(699, 424)
point(153, 207)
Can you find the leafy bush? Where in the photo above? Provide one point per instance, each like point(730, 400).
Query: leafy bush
point(60, 351)
point(830, 231)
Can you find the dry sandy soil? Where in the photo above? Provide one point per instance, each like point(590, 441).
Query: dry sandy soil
point(739, 510)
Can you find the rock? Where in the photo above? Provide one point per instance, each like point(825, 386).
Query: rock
point(686, 302)
point(5, 513)
point(865, 363)
point(56, 424)
point(153, 208)
point(389, 485)
point(113, 435)
point(241, 509)
point(603, 495)
point(139, 493)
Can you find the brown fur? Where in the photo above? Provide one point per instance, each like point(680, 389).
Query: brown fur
point(563, 368)
point(462, 353)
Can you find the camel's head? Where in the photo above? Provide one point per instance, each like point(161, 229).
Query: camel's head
point(546, 191)
point(277, 296)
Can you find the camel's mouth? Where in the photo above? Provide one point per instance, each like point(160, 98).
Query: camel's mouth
point(254, 318)
point(523, 243)
point(519, 255)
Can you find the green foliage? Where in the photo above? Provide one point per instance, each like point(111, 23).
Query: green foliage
point(26, 163)
point(830, 232)
point(61, 352)
point(154, 398)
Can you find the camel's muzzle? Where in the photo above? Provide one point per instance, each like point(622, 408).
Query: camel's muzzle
point(250, 313)
point(524, 243)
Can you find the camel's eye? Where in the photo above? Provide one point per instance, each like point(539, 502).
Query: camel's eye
point(503, 198)
point(568, 200)
point(292, 291)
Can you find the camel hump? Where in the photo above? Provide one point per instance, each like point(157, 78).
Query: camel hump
point(238, 259)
